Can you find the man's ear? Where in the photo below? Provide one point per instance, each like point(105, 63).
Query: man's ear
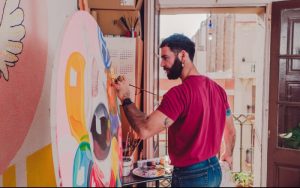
point(183, 56)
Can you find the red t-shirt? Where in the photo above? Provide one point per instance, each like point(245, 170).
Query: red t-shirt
point(198, 107)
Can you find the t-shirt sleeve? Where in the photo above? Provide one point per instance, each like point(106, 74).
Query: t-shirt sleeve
point(172, 104)
point(226, 101)
point(226, 104)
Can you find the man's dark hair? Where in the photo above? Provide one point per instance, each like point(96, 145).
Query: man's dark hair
point(178, 42)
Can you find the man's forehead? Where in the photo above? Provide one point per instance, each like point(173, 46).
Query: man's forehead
point(165, 51)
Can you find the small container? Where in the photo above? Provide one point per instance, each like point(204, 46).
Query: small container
point(167, 165)
point(142, 163)
point(151, 163)
point(162, 161)
point(127, 165)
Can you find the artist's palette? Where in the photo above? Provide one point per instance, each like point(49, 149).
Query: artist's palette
point(149, 173)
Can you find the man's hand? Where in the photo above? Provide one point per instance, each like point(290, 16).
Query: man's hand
point(122, 87)
point(227, 158)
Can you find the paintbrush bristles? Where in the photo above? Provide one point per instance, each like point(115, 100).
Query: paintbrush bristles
point(129, 23)
point(134, 146)
point(124, 22)
point(131, 146)
point(135, 23)
point(126, 144)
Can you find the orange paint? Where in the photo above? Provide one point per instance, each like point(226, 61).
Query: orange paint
point(9, 177)
point(74, 87)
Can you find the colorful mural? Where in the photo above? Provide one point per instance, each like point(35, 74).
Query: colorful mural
point(87, 129)
point(23, 60)
point(12, 32)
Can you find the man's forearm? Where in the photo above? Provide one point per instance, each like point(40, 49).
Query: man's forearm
point(229, 143)
point(136, 118)
point(229, 136)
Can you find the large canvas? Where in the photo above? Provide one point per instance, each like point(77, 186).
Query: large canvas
point(86, 126)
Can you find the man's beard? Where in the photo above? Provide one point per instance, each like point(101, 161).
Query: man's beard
point(175, 70)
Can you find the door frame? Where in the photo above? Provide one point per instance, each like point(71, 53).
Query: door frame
point(280, 157)
point(260, 172)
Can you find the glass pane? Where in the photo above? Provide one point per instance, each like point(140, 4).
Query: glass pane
point(289, 84)
point(289, 127)
point(282, 77)
point(296, 43)
point(295, 65)
point(288, 19)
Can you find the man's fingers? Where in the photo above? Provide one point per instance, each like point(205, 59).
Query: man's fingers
point(120, 80)
point(116, 85)
point(119, 83)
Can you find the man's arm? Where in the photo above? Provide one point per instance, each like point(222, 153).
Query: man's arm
point(145, 126)
point(229, 139)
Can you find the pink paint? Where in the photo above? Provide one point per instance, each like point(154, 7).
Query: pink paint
point(21, 94)
point(95, 77)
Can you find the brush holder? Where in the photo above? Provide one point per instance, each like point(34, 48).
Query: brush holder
point(127, 165)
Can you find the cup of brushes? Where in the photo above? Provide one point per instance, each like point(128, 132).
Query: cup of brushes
point(127, 165)
point(130, 146)
point(129, 25)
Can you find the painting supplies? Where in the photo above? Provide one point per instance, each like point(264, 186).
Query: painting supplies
point(135, 145)
point(127, 165)
point(142, 89)
point(130, 24)
point(121, 78)
point(126, 144)
point(135, 22)
point(124, 23)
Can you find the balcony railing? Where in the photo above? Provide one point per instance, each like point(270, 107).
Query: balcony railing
point(245, 141)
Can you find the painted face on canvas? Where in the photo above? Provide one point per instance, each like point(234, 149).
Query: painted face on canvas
point(88, 133)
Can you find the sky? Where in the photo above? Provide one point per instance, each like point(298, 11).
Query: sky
point(186, 24)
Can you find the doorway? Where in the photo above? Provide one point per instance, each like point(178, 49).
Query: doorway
point(230, 49)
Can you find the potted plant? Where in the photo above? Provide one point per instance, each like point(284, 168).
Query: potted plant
point(291, 139)
point(243, 179)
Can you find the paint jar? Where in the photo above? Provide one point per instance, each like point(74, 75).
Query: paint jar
point(127, 165)
point(167, 165)
point(151, 164)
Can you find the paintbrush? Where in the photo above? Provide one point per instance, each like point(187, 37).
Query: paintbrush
point(121, 78)
point(126, 143)
point(134, 147)
point(135, 23)
point(124, 22)
point(142, 89)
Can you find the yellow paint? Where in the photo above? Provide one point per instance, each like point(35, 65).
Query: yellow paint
point(115, 156)
point(40, 170)
point(74, 87)
point(9, 177)
point(111, 94)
